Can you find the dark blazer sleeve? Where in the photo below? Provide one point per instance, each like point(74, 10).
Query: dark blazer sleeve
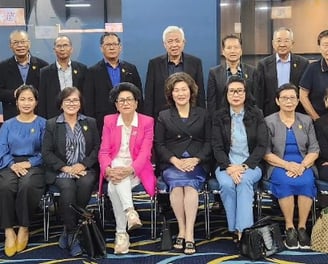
point(92, 141)
point(150, 89)
point(215, 87)
point(321, 128)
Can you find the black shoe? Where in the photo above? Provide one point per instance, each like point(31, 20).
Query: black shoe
point(303, 238)
point(291, 241)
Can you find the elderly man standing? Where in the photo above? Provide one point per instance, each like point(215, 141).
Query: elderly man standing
point(59, 75)
point(21, 68)
point(104, 76)
point(161, 67)
point(277, 69)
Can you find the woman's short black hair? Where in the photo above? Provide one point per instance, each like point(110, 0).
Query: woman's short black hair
point(25, 87)
point(249, 98)
point(66, 92)
point(122, 87)
point(287, 86)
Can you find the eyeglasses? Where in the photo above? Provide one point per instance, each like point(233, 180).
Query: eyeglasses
point(284, 41)
point(64, 46)
point(286, 98)
point(237, 91)
point(111, 45)
point(71, 101)
point(122, 101)
point(171, 42)
point(17, 42)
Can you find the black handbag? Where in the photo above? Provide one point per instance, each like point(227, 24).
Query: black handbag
point(166, 237)
point(261, 240)
point(90, 233)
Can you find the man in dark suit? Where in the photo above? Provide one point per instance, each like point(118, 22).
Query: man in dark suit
point(277, 69)
point(55, 77)
point(105, 75)
point(218, 75)
point(21, 68)
point(175, 60)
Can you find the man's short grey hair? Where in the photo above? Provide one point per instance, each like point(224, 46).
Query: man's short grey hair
point(171, 29)
point(291, 34)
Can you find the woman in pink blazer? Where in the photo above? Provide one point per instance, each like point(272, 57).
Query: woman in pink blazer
point(125, 159)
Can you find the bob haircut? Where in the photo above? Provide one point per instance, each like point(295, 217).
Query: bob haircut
point(122, 87)
point(66, 92)
point(25, 87)
point(287, 86)
point(249, 99)
point(180, 77)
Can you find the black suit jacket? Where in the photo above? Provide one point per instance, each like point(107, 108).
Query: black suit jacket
point(97, 86)
point(54, 146)
point(11, 79)
point(217, 79)
point(268, 81)
point(50, 87)
point(256, 131)
point(173, 136)
point(157, 74)
point(321, 129)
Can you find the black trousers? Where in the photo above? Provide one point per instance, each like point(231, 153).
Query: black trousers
point(75, 191)
point(20, 196)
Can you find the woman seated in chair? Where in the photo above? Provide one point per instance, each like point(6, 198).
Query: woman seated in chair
point(21, 173)
point(321, 128)
point(182, 141)
point(239, 141)
point(291, 153)
point(125, 159)
point(70, 148)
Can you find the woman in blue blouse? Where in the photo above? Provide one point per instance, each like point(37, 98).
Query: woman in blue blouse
point(239, 141)
point(21, 175)
point(70, 150)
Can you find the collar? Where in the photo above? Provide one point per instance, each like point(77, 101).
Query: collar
point(61, 118)
point(238, 68)
point(234, 114)
point(181, 58)
point(59, 67)
point(109, 65)
point(279, 60)
point(324, 66)
point(28, 59)
point(133, 123)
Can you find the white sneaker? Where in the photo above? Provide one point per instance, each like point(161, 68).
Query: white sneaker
point(122, 243)
point(133, 220)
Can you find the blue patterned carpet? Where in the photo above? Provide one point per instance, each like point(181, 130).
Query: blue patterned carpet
point(219, 249)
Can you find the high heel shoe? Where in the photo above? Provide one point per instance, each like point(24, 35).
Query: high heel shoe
point(22, 239)
point(10, 250)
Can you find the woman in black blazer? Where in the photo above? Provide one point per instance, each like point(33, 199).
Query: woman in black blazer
point(182, 142)
point(239, 141)
point(70, 149)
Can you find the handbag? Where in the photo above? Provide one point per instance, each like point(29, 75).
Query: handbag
point(166, 237)
point(261, 240)
point(319, 236)
point(90, 233)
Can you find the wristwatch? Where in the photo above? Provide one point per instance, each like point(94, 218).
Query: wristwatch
point(245, 166)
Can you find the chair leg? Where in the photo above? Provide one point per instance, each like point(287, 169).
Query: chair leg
point(207, 215)
point(153, 216)
point(46, 216)
point(314, 212)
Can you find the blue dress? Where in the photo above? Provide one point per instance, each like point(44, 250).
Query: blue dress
point(284, 186)
point(19, 139)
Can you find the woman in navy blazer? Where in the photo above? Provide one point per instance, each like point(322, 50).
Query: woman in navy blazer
point(70, 150)
point(182, 141)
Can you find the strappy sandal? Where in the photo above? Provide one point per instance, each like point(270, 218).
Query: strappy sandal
point(190, 248)
point(179, 243)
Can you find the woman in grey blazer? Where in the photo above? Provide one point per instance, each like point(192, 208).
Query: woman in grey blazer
point(291, 153)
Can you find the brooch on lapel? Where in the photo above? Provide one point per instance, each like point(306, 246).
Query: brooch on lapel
point(34, 67)
point(295, 65)
point(300, 126)
point(134, 133)
point(123, 70)
point(85, 128)
point(246, 75)
point(75, 71)
point(32, 130)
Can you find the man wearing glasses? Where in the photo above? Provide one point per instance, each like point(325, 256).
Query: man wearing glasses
point(59, 75)
point(161, 67)
point(21, 68)
point(277, 69)
point(106, 74)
